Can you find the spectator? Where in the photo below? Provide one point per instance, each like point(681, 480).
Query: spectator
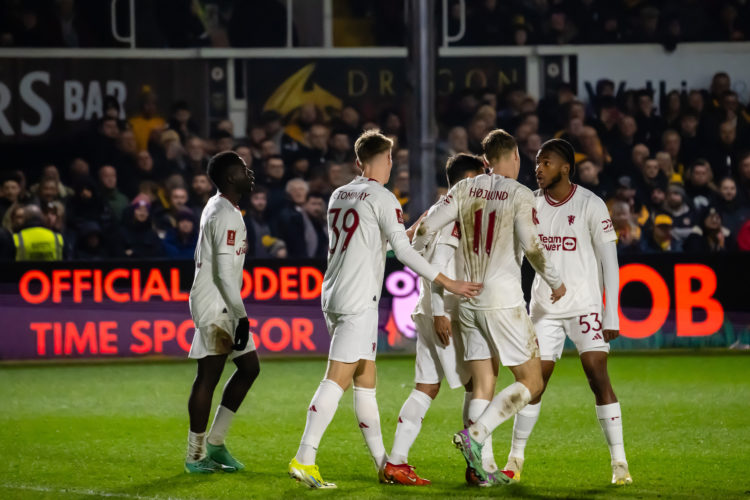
point(87, 206)
point(650, 126)
point(628, 232)
point(733, 211)
point(621, 145)
point(340, 149)
point(165, 218)
point(197, 159)
point(47, 191)
point(660, 239)
point(90, 244)
point(9, 193)
point(201, 190)
point(293, 225)
point(651, 178)
point(317, 137)
point(671, 143)
point(276, 183)
point(691, 144)
point(15, 217)
point(638, 156)
point(180, 241)
point(246, 154)
point(51, 172)
point(270, 122)
point(258, 228)
point(588, 177)
point(699, 184)
point(54, 216)
point(724, 156)
point(223, 140)
point(664, 160)
point(7, 245)
point(710, 236)
point(148, 121)
point(34, 241)
point(182, 121)
point(139, 240)
point(682, 217)
point(78, 169)
point(401, 190)
point(111, 195)
point(743, 176)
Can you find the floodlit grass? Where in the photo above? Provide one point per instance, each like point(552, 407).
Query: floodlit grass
point(120, 430)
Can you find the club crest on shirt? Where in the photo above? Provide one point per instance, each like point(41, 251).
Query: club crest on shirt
point(571, 219)
point(399, 216)
point(231, 237)
point(243, 248)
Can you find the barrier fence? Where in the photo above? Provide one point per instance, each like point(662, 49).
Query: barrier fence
point(136, 309)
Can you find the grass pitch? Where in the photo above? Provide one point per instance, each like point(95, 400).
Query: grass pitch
point(120, 430)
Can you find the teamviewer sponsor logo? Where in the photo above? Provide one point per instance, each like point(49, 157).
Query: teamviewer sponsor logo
point(555, 243)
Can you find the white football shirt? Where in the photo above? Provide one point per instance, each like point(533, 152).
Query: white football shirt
point(362, 217)
point(569, 229)
point(450, 235)
point(495, 215)
point(222, 231)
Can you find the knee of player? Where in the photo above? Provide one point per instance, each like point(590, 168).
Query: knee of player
point(251, 372)
point(535, 385)
point(430, 389)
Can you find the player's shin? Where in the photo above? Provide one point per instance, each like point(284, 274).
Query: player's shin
point(220, 426)
point(368, 416)
point(503, 406)
point(409, 424)
point(522, 426)
point(319, 415)
point(476, 408)
point(465, 413)
point(610, 418)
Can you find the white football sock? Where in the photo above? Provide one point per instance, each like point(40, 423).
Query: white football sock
point(504, 405)
point(196, 446)
point(409, 423)
point(522, 426)
point(222, 419)
point(323, 406)
point(476, 408)
point(368, 417)
point(610, 418)
point(465, 414)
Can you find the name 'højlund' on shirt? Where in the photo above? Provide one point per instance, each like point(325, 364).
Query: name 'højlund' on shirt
point(552, 243)
point(487, 194)
point(350, 195)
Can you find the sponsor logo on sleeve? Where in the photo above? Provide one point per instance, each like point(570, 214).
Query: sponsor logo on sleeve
point(231, 235)
point(399, 216)
point(607, 225)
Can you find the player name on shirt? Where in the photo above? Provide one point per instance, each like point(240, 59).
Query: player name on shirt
point(350, 195)
point(488, 194)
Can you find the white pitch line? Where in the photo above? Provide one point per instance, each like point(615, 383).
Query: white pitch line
point(77, 491)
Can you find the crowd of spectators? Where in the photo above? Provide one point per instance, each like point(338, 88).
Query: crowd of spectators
point(674, 173)
point(262, 23)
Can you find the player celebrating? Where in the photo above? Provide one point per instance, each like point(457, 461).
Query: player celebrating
point(221, 326)
point(575, 228)
point(496, 217)
point(439, 352)
point(362, 217)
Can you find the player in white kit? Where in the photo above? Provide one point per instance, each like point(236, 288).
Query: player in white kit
point(495, 213)
point(576, 230)
point(363, 217)
point(440, 352)
point(222, 329)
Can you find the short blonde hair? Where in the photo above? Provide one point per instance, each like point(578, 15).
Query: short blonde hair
point(370, 144)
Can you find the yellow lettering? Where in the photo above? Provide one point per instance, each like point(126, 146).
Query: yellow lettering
point(357, 76)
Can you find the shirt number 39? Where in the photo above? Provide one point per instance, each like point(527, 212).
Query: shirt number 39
point(348, 224)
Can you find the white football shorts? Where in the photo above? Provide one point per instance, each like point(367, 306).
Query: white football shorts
point(585, 331)
point(218, 338)
point(353, 336)
point(434, 360)
point(506, 334)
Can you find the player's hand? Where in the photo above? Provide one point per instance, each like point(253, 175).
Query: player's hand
point(558, 294)
point(464, 288)
point(443, 329)
point(413, 229)
point(241, 334)
point(610, 334)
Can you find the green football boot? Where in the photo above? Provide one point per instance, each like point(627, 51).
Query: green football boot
point(221, 455)
point(204, 466)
